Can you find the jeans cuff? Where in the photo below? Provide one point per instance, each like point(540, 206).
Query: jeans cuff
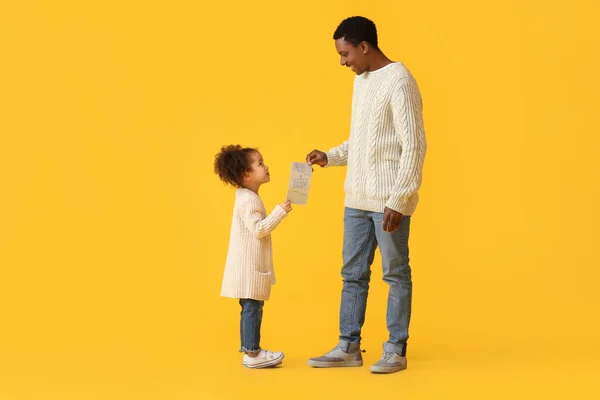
point(398, 348)
point(348, 347)
point(245, 350)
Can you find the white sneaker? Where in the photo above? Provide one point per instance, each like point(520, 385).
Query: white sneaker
point(338, 358)
point(265, 358)
point(390, 362)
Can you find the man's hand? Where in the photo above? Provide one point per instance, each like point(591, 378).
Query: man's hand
point(317, 157)
point(391, 220)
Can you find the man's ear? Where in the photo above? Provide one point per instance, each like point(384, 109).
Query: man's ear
point(364, 47)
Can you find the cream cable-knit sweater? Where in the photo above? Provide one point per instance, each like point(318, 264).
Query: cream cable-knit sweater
point(386, 149)
point(249, 271)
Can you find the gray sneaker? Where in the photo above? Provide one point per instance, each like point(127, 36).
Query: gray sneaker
point(390, 362)
point(339, 358)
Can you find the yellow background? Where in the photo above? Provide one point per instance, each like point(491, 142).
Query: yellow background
point(113, 229)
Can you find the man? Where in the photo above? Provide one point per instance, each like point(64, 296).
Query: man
point(384, 156)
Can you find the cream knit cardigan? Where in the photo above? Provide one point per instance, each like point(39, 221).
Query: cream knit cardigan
point(249, 271)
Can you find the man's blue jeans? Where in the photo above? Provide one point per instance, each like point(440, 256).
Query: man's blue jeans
point(363, 233)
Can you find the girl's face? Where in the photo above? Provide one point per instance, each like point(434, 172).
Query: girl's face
point(259, 172)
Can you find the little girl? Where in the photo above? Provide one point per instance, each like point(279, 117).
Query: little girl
point(249, 270)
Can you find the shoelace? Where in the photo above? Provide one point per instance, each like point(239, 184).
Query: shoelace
point(337, 348)
point(386, 356)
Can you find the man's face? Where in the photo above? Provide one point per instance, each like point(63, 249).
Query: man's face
point(353, 57)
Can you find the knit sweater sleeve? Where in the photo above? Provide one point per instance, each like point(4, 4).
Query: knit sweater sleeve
point(408, 125)
point(255, 221)
point(338, 156)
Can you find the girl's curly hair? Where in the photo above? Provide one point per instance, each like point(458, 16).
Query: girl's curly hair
point(232, 162)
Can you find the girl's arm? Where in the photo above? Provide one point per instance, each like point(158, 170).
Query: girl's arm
point(255, 221)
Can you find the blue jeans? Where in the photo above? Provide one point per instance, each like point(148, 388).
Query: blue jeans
point(363, 232)
point(251, 318)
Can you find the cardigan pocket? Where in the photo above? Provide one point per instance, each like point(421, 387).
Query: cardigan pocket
point(262, 282)
point(264, 261)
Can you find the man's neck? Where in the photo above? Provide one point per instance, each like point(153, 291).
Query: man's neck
point(380, 60)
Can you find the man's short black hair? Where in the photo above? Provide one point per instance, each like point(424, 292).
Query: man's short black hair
point(355, 30)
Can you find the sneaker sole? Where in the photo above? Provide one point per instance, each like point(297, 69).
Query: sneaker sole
point(334, 364)
point(386, 370)
point(266, 364)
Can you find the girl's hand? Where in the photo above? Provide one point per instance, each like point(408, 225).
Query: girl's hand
point(287, 206)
